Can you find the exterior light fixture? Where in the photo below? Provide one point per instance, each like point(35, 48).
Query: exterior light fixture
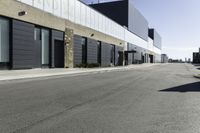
point(92, 35)
point(22, 13)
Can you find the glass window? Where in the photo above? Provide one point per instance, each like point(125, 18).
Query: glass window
point(84, 50)
point(4, 40)
point(112, 54)
point(37, 34)
point(99, 52)
point(45, 47)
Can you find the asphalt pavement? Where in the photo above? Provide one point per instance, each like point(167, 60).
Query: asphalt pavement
point(155, 99)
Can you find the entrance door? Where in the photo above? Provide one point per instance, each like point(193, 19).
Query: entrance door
point(59, 54)
point(151, 58)
point(126, 58)
point(99, 53)
point(143, 59)
point(120, 58)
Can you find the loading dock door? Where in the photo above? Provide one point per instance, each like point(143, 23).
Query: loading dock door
point(59, 54)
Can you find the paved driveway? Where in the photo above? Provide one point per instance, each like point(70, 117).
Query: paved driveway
point(157, 99)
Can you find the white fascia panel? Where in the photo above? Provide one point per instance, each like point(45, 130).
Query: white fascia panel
point(92, 21)
point(38, 4)
point(83, 14)
point(101, 23)
point(133, 39)
point(65, 12)
point(77, 12)
point(71, 10)
point(57, 7)
point(48, 6)
point(88, 17)
point(157, 50)
point(29, 2)
point(96, 23)
point(150, 45)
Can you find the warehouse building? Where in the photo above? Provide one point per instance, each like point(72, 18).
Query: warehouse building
point(164, 58)
point(63, 34)
point(124, 13)
point(157, 42)
point(196, 57)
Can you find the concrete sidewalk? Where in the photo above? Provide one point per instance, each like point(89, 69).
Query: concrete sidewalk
point(37, 73)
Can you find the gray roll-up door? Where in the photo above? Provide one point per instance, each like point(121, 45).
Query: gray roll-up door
point(105, 54)
point(91, 51)
point(77, 50)
point(23, 47)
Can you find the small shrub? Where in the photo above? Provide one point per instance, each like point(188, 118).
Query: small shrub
point(93, 65)
point(81, 65)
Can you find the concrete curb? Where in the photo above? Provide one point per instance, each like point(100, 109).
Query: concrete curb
point(76, 73)
point(71, 72)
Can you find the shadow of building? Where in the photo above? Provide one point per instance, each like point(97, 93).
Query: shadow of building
point(192, 87)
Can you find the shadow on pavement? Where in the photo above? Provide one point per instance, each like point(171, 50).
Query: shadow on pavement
point(196, 64)
point(193, 87)
point(198, 68)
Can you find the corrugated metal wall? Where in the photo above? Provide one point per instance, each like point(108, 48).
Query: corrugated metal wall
point(137, 22)
point(157, 40)
point(117, 11)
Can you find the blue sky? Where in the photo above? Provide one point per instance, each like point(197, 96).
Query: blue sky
point(177, 21)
